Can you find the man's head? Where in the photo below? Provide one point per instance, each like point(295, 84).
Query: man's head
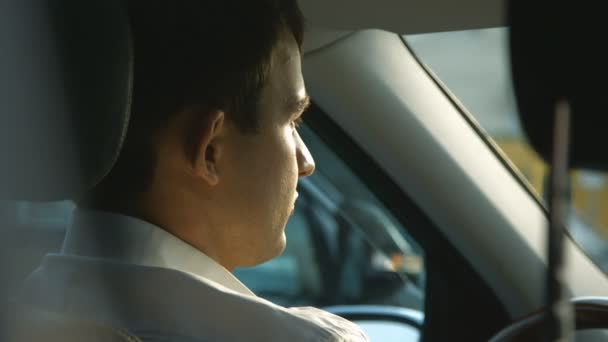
point(212, 153)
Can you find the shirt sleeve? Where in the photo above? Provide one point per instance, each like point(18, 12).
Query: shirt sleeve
point(337, 328)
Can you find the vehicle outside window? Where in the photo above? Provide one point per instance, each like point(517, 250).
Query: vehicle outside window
point(474, 67)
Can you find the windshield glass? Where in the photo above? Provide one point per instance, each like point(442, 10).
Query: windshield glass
point(474, 66)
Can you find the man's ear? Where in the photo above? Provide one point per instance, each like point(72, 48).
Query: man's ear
point(209, 148)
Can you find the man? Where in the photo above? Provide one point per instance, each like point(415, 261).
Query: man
point(205, 183)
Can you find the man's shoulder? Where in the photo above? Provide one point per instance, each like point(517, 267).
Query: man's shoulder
point(172, 301)
point(337, 328)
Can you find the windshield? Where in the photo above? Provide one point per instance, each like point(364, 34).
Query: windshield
point(474, 66)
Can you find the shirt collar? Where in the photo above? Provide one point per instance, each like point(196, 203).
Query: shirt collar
point(121, 238)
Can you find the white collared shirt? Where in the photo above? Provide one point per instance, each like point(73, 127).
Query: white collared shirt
point(127, 272)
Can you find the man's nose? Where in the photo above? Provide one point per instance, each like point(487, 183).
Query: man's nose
point(306, 163)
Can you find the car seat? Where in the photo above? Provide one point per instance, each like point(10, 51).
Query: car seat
point(65, 92)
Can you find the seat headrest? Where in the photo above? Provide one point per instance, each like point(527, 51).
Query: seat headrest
point(557, 53)
point(65, 92)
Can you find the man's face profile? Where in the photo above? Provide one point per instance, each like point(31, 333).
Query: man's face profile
point(236, 200)
point(265, 167)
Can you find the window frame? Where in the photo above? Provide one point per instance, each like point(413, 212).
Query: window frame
point(456, 297)
point(472, 121)
point(493, 146)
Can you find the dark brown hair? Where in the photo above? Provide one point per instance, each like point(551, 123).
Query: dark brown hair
point(213, 55)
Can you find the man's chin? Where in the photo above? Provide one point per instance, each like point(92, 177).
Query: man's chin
point(280, 246)
point(270, 253)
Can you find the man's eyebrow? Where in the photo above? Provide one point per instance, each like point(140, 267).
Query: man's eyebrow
point(299, 106)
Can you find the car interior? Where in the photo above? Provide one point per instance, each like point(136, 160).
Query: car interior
point(59, 139)
point(409, 243)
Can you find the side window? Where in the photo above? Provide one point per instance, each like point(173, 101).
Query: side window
point(343, 246)
point(474, 66)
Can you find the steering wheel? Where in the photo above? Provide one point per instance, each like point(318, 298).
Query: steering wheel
point(590, 313)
